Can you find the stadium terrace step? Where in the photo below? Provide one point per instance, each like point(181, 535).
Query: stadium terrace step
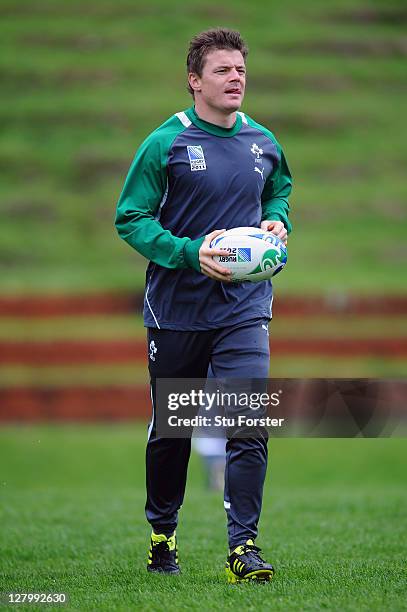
point(54, 353)
point(74, 403)
point(46, 306)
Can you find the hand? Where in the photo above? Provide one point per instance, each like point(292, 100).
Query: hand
point(275, 227)
point(209, 267)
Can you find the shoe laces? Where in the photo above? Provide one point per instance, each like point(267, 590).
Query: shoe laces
point(254, 551)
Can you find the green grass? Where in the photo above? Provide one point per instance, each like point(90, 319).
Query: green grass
point(72, 518)
point(80, 94)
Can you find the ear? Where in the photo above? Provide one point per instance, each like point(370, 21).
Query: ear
point(194, 81)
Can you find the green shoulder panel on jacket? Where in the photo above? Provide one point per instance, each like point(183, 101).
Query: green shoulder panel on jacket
point(144, 191)
point(278, 186)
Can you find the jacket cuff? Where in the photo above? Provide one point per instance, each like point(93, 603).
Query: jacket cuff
point(191, 253)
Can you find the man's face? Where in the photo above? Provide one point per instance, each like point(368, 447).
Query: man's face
point(222, 83)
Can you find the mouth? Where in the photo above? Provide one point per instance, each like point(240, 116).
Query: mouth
point(235, 91)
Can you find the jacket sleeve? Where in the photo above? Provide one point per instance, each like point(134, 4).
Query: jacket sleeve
point(275, 194)
point(144, 192)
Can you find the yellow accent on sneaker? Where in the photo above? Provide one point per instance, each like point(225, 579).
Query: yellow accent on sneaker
point(256, 576)
point(239, 549)
point(160, 537)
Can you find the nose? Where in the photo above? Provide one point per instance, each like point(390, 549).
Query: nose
point(234, 75)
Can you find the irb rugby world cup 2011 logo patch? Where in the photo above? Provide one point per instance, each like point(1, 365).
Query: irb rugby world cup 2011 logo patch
point(196, 158)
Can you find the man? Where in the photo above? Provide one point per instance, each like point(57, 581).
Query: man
point(206, 169)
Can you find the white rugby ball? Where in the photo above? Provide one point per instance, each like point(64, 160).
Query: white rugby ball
point(253, 254)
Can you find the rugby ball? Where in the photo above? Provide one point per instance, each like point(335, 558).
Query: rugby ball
point(252, 254)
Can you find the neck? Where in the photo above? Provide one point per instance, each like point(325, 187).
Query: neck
point(213, 115)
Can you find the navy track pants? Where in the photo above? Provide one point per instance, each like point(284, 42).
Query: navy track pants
point(240, 351)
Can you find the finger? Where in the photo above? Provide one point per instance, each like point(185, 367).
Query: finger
point(281, 235)
point(217, 232)
point(277, 228)
point(273, 226)
point(215, 275)
point(213, 265)
point(214, 234)
point(212, 252)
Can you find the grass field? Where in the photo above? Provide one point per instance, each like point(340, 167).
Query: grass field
point(82, 84)
point(333, 523)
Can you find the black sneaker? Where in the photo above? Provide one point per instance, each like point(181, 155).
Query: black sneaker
point(163, 554)
point(244, 564)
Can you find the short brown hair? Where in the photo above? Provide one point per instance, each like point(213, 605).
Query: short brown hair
point(203, 43)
